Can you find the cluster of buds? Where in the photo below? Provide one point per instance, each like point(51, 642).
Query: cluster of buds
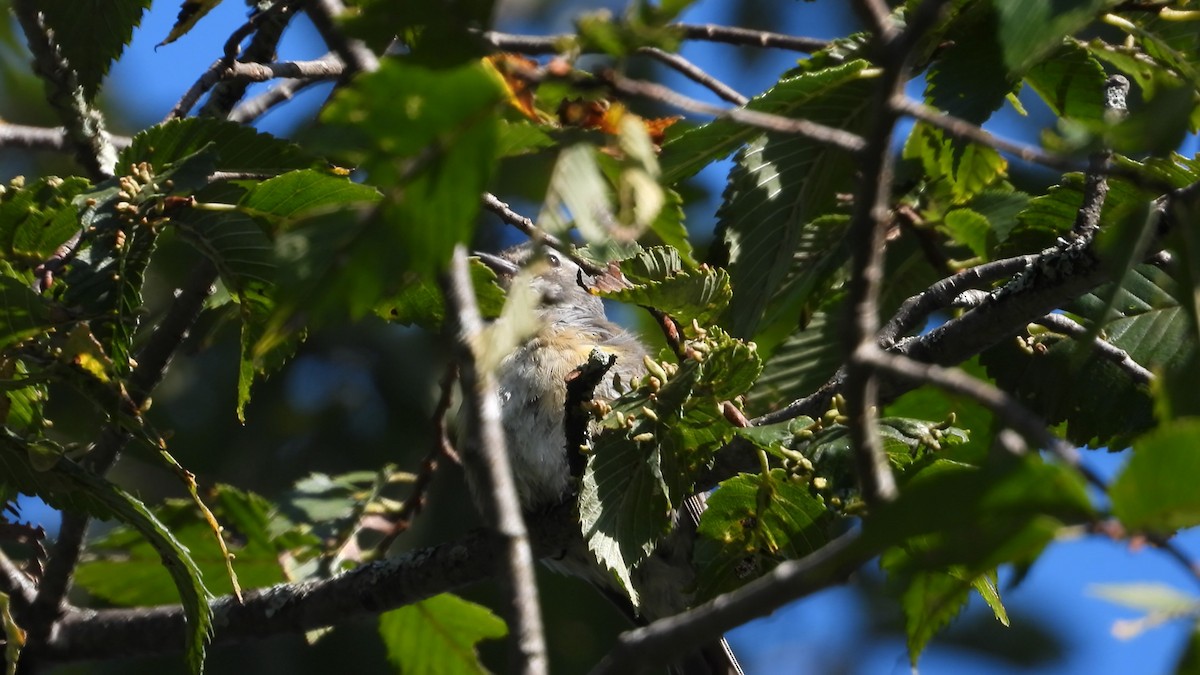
point(657, 373)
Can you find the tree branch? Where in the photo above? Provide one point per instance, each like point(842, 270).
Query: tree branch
point(866, 236)
point(696, 74)
point(490, 468)
point(268, 29)
point(1065, 325)
point(753, 118)
point(354, 53)
point(1095, 186)
point(746, 37)
point(294, 608)
point(84, 123)
point(667, 638)
point(749, 37)
point(45, 138)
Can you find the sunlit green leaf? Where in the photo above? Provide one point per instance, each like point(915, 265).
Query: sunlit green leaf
point(438, 636)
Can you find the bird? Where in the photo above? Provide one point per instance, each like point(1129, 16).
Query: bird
point(532, 388)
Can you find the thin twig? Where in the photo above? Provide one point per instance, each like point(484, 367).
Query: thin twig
point(964, 130)
point(748, 37)
point(415, 503)
point(490, 466)
point(251, 109)
point(821, 133)
point(492, 203)
point(193, 94)
point(1065, 325)
point(696, 74)
point(84, 123)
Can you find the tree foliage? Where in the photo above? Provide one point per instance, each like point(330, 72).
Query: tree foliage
point(1016, 316)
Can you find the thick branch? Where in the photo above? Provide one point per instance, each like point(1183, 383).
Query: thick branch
point(45, 138)
point(295, 608)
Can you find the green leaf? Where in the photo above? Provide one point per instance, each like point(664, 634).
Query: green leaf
point(1148, 597)
point(104, 281)
point(297, 194)
point(578, 187)
point(779, 185)
point(427, 139)
point(1153, 492)
point(969, 78)
point(421, 303)
point(1071, 81)
point(14, 636)
point(652, 445)
point(968, 228)
point(1161, 603)
point(985, 586)
point(190, 12)
point(1099, 402)
point(816, 271)
point(91, 34)
point(1005, 511)
point(125, 570)
point(963, 170)
point(438, 636)
point(699, 295)
point(23, 313)
point(238, 148)
point(1052, 214)
point(753, 523)
point(799, 365)
point(520, 138)
point(1029, 30)
point(435, 35)
point(68, 486)
point(623, 506)
point(931, 600)
point(38, 218)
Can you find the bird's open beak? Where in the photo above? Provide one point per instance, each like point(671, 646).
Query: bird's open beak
point(502, 267)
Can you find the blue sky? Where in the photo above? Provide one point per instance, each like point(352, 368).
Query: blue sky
point(825, 632)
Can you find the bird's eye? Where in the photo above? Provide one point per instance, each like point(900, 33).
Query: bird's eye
point(554, 259)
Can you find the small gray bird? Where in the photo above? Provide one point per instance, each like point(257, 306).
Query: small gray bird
point(533, 392)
